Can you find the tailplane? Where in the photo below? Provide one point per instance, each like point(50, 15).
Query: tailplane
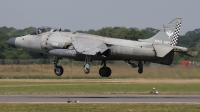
point(168, 35)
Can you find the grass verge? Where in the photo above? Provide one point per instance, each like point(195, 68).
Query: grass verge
point(99, 107)
point(98, 86)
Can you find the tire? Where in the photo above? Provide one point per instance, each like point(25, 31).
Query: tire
point(108, 72)
point(140, 71)
point(87, 71)
point(59, 70)
point(104, 71)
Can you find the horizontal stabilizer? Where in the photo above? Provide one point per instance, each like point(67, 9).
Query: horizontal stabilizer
point(161, 50)
point(182, 50)
point(185, 53)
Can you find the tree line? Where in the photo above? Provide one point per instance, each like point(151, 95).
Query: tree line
point(191, 40)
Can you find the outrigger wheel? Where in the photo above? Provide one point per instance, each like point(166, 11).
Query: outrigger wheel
point(140, 67)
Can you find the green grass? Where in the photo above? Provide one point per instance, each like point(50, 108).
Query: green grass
point(99, 107)
point(98, 86)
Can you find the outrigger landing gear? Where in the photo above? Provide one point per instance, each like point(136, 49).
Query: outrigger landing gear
point(140, 67)
point(58, 70)
point(87, 64)
point(104, 71)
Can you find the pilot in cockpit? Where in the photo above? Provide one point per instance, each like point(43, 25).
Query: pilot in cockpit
point(40, 30)
point(43, 29)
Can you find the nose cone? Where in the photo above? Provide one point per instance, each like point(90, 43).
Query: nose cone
point(11, 42)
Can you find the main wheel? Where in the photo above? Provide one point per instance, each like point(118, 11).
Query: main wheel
point(58, 70)
point(108, 71)
point(104, 71)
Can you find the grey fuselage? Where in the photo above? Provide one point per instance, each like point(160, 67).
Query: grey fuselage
point(118, 49)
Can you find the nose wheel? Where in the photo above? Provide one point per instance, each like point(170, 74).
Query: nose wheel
point(58, 70)
point(104, 71)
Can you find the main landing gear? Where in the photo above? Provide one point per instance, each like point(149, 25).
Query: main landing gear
point(58, 70)
point(104, 71)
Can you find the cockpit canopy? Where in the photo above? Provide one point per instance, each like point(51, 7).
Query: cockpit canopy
point(41, 30)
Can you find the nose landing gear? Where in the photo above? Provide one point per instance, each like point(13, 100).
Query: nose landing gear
point(58, 70)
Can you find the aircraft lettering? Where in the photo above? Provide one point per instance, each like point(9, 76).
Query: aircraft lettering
point(73, 52)
point(54, 44)
point(158, 41)
point(166, 42)
point(87, 49)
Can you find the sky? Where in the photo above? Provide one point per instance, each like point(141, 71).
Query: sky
point(96, 14)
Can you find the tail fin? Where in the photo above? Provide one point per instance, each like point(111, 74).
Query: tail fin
point(168, 35)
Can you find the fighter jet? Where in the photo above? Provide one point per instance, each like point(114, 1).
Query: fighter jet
point(86, 47)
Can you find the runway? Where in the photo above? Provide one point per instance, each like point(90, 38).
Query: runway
point(99, 98)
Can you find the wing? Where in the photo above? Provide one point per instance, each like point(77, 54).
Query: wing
point(88, 46)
